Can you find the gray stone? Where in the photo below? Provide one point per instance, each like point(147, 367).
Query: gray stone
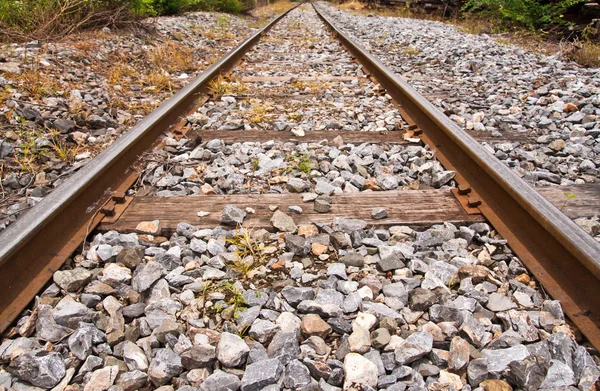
point(38, 367)
point(379, 213)
point(295, 209)
point(527, 374)
point(284, 347)
point(498, 360)
point(69, 313)
point(257, 353)
point(498, 302)
point(325, 310)
point(168, 260)
point(390, 258)
point(145, 275)
point(381, 310)
point(261, 374)
point(559, 375)
point(232, 215)
point(165, 365)
point(329, 296)
point(396, 295)
point(72, 280)
point(297, 244)
point(262, 330)
point(47, 329)
point(561, 348)
point(353, 259)
point(444, 313)
point(348, 225)
point(283, 222)
point(221, 381)
point(232, 350)
point(131, 381)
point(297, 185)
point(477, 371)
point(296, 375)
point(414, 347)
point(81, 341)
point(10, 345)
point(294, 295)
point(338, 270)
point(247, 317)
point(321, 205)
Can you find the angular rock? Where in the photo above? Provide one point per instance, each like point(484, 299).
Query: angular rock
point(498, 360)
point(283, 222)
point(559, 376)
point(313, 324)
point(527, 374)
point(134, 357)
point(498, 302)
point(414, 347)
point(72, 280)
point(459, 354)
point(359, 372)
point(294, 295)
point(145, 275)
point(165, 365)
point(284, 346)
point(261, 374)
point(38, 367)
point(296, 375)
point(232, 215)
point(221, 381)
point(232, 350)
point(102, 379)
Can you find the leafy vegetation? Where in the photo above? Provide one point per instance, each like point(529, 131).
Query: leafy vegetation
point(36, 19)
point(299, 163)
point(528, 13)
point(248, 252)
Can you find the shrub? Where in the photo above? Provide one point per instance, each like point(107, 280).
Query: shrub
point(528, 13)
point(39, 19)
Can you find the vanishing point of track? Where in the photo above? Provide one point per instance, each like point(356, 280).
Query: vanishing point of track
point(561, 256)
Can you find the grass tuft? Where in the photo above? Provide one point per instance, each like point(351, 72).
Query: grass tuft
point(248, 252)
point(585, 53)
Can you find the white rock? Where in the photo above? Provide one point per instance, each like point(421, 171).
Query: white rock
point(365, 320)
point(232, 350)
point(359, 371)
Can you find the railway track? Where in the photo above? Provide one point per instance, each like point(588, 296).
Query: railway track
point(347, 204)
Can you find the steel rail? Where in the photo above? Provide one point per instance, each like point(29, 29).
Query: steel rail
point(563, 258)
point(39, 242)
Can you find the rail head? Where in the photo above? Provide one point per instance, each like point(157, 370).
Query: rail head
point(561, 255)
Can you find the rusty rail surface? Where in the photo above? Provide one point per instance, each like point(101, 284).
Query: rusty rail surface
point(38, 243)
point(564, 259)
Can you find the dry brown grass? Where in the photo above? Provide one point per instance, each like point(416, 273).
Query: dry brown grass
point(121, 74)
point(38, 84)
point(584, 53)
point(352, 5)
point(274, 9)
point(159, 81)
point(173, 56)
